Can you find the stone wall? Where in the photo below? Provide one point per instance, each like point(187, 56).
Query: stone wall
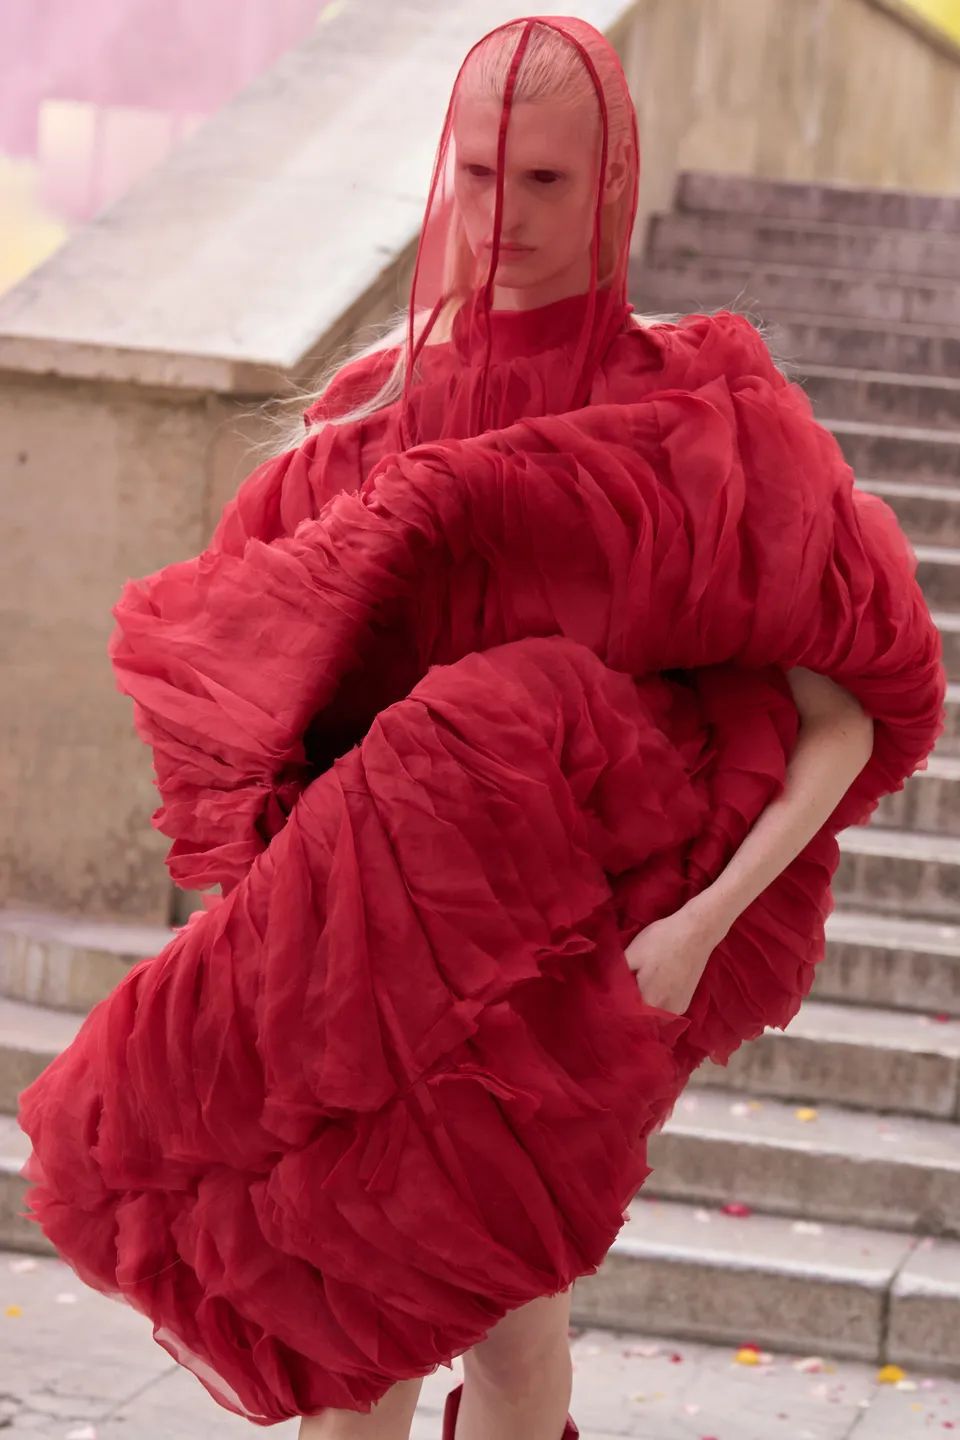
point(853, 91)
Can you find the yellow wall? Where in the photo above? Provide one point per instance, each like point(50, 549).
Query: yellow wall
point(944, 13)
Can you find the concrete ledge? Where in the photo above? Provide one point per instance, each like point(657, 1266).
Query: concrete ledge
point(69, 963)
point(283, 223)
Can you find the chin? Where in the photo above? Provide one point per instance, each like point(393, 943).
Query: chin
point(520, 260)
point(523, 270)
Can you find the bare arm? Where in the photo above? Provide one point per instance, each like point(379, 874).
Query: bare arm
point(834, 744)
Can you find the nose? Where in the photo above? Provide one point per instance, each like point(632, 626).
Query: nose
point(513, 219)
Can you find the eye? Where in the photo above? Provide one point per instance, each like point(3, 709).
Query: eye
point(546, 177)
point(479, 172)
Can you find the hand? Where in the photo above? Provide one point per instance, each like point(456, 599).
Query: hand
point(669, 956)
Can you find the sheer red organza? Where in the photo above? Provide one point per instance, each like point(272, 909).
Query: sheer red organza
point(464, 300)
point(462, 695)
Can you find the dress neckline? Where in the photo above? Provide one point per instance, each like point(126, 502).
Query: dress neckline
point(516, 333)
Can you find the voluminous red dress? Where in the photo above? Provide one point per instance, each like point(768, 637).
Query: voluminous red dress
point(449, 724)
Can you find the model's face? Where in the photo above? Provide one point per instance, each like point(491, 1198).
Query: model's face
point(551, 169)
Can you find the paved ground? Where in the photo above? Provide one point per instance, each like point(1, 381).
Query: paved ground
point(75, 1366)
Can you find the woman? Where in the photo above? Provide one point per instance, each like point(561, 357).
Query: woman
point(558, 633)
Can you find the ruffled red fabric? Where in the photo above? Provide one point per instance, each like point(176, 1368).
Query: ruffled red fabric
point(447, 741)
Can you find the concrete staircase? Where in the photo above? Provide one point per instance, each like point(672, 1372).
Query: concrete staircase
point(839, 1138)
point(841, 1135)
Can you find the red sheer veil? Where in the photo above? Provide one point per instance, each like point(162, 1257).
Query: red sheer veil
point(530, 59)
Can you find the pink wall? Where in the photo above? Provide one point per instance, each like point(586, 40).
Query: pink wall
point(95, 92)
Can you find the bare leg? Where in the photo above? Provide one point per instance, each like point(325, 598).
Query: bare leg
point(519, 1378)
point(390, 1418)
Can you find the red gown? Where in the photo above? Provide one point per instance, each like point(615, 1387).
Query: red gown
point(449, 725)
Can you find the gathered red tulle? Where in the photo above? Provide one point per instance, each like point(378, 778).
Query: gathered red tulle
point(449, 726)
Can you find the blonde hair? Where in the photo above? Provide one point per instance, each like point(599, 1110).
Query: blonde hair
point(551, 68)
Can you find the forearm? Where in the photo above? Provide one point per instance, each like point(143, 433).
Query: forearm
point(828, 756)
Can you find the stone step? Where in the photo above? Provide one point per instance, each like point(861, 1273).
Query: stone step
point(797, 341)
point(767, 289)
point(844, 1290)
point(928, 514)
point(896, 872)
point(893, 451)
point(938, 570)
point(918, 401)
point(929, 801)
point(839, 1165)
point(949, 742)
point(830, 244)
point(948, 623)
point(30, 1037)
point(66, 962)
point(787, 200)
point(854, 1055)
point(801, 340)
point(885, 960)
point(16, 1232)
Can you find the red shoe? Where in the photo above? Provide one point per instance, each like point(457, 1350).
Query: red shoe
point(452, 1407)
